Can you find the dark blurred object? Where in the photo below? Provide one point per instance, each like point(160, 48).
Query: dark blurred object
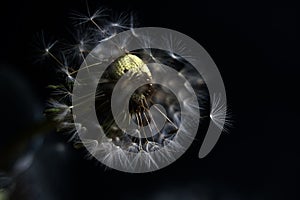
point(34, 161)
point(22, 127)
point(22, 114)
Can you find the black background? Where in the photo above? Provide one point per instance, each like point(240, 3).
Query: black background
point(255, 46)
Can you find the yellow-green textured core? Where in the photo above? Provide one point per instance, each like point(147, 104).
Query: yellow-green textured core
point(129, 62)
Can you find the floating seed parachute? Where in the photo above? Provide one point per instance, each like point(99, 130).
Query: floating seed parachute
point(134, 98)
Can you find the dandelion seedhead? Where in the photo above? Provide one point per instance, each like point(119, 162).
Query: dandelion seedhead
point(154, 112)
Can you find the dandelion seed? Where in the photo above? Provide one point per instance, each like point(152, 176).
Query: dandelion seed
point(61, 92)
point(82, 18)
point(219, 113)
point(58, 110)
point(43, 46)
point(120, 21)
point(175, 45)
